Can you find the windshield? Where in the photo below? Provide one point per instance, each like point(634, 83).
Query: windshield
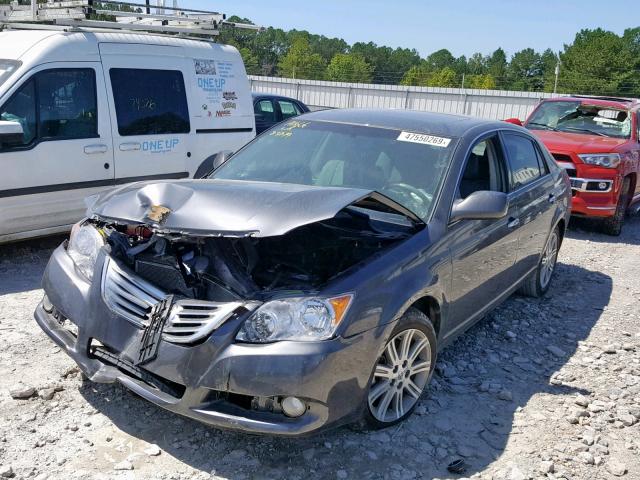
point(7, 67)
point(577, 117)
point(406, 167)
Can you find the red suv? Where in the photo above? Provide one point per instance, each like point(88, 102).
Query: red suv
point(596, 140)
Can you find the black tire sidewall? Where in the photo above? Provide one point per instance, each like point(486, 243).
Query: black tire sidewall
point(411, 319)
point(542, 290)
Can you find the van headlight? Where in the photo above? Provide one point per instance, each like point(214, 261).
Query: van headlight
point(300, 319)
point(606, 160)
point(84, 244)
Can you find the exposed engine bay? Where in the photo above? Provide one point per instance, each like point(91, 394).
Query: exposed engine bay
point(221, 268)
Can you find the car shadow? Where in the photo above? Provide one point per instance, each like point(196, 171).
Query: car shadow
point(23, 263)
point(469, 412)
point(582, 228)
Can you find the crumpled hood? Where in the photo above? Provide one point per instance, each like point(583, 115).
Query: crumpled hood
point(223, 207)
point(578, 142)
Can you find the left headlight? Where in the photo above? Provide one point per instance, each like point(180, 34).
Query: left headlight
point(300, 319)
point(606, 160)
point(84, 244)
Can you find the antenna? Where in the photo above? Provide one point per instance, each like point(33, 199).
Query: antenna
point(127, 15)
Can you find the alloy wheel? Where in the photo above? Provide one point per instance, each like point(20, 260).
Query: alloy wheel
point(549, 258)
point(400, 376)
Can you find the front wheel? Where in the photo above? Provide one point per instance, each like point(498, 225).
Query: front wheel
point(537, 284)
point(402, 371)
point(613, 225)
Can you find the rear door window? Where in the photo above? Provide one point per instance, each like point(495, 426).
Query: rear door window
point(523, 159)
point(150, 102)
point(264, 108)
point(288, 109)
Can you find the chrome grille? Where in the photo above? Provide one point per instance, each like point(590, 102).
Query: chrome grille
point(133, 298)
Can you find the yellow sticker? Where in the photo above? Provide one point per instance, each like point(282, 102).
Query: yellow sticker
point(287, 130)
point(424, 139)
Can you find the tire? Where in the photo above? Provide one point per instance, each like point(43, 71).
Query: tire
point(416, 327)
point(613, 225)
point(537, 284)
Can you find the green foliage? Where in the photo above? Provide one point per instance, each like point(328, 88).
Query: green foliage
point(422, 75)
point(301, 62)
point(251, 63)
point(349, 67)
point(484, 81)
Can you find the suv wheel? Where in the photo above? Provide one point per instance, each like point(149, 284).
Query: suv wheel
point(402, 371)
point(537, 284)
point(613, 225)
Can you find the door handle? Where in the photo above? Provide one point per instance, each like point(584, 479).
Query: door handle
point(130, 147)
point(94, 149)
point(552, 198)
point(513, 222)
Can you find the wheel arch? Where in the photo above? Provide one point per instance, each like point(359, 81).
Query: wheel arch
point(430, 306)
point(633, 181)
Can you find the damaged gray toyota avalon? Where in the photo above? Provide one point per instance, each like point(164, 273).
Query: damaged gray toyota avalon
point(310, 280)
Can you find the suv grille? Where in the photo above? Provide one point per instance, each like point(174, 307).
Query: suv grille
point(133, 298)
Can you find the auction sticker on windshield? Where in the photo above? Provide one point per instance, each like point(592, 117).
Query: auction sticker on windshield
point(424, 139)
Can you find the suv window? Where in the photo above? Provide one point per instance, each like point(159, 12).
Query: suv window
point(288, 109)
point(265, 109)
point(55, 104)
point(484, 169)
point(523, 160)
point(150, 102)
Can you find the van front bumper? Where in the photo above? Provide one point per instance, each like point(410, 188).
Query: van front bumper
point(218, 381)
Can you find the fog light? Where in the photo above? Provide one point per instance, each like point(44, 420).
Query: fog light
point(47, 305)
point(293, 407)
point(603, 186)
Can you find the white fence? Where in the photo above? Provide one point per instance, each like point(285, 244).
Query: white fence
point(491, 104)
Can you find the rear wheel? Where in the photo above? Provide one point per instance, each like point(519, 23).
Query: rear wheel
point(537, 284)
point(402, 371)
point(613, 225)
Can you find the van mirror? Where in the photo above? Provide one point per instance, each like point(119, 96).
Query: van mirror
point(481, 205)
point(11, 133)
point(212, 163)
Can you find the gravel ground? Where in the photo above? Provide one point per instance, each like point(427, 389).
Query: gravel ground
point(545, 388)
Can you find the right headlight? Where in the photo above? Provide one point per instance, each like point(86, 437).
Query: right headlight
point(84, 244)
point(606, 160)
point(300, 319)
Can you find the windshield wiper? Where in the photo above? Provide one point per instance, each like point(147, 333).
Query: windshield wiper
point(548, 127)
point(586, 130)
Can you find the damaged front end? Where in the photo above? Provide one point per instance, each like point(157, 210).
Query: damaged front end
point(175, 309)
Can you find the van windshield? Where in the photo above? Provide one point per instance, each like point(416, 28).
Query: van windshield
point(406, 167)
point(7, 67)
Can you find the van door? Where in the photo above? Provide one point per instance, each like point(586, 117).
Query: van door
point(66, 152)
point(151, 124)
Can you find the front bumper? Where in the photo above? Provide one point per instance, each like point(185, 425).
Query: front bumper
point(204, 381)
point(594, 189)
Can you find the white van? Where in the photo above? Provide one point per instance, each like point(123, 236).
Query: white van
point(81, 112)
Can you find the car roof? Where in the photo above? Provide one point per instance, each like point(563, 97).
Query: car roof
point(409, 120)
point(265, 96)
point(618, 103)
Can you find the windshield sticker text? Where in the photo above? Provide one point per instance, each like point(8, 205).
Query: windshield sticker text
point(287, 130)
point(424, 139)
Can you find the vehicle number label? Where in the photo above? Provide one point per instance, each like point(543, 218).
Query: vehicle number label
point(424, 139)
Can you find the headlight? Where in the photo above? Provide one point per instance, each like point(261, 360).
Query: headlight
point(607, 160)
point(301, 319)
point(84, 244)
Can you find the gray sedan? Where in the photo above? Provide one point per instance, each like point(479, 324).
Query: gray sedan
point(310, 280)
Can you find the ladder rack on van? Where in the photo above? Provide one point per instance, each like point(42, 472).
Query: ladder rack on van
point(128, 16)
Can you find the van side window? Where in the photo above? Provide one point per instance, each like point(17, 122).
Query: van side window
point(55, 104)
point(484, 169)
point(523, 160)
point(150, 102)
point(288, 109)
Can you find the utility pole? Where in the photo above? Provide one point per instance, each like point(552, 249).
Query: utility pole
point(555, 84)
point(462, 80)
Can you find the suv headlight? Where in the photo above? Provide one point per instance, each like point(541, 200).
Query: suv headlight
point(84, 244)
point(301, 319)
point(606, 160)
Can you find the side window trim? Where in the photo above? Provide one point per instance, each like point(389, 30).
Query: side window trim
point(37, 139)
point(496, 148)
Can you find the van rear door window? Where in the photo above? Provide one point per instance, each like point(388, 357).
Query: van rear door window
point(150, 102)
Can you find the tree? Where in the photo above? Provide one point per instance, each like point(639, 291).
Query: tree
point(251, 63)
point(416, 75)
point(421, 75)
point(497, 67)
point(301, 62)
point(525, 71)
point(598, 62)
point(349, 67)
point(483, 82)
point(477, 64)
point(445, 77)
point(441, 59)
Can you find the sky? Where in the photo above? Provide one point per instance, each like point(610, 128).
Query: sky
point(463, 27)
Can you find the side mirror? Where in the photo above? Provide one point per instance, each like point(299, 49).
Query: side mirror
point(212, 163)
point(481, 205)
point(11, 133)
point(515, 121)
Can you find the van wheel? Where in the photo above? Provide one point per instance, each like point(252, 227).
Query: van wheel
point(537, 284)
point(613, 225)
point(402, 371)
